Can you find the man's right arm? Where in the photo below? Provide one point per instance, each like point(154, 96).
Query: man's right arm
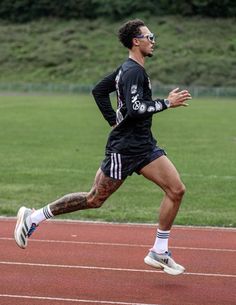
point(101, 95)
point(138, 107)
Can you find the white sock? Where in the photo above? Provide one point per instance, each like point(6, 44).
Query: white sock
point(41, 215)
point(161, 243)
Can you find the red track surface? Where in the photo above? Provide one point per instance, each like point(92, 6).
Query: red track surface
point(92, 263)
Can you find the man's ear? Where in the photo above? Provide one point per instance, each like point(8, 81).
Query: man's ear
point(135, 42)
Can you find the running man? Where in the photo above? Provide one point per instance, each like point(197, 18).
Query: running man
point(130, 148)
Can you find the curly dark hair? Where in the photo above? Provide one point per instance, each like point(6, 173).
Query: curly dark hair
point(128, 31)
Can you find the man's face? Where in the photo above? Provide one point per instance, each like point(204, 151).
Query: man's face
point(146, 41)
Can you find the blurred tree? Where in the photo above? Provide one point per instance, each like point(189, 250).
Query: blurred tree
point(123, 8)
point(27, 10)
point(214, 8)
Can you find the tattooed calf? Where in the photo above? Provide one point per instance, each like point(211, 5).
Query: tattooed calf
point(102, 188)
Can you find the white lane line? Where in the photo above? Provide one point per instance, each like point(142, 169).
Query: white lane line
point(117, 244)
point(111, 269)
point(122, 224)
point(69, 300)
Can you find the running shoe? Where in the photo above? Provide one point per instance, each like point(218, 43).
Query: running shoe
point(24, 227)
point(164, 262)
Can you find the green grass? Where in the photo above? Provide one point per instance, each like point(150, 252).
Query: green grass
point(190, 51)
point(53, 145)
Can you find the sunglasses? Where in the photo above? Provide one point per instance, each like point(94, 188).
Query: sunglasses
point(150, 37)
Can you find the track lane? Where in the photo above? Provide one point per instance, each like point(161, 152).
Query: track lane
point(113, 256)
point(76, 285)
point(149, 288)
point(128, 234)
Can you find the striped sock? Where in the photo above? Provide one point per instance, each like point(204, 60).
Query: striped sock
point(47, 212)
point(41, 215)
point(161, 242)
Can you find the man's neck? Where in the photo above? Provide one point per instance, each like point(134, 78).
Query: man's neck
point(137, 57)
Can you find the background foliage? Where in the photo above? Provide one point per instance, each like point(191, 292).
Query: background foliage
point(189, 51)
point(28, 10)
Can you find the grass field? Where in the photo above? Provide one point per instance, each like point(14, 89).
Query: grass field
point(53, 145)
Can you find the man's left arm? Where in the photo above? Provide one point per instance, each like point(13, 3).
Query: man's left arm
point(101, 95)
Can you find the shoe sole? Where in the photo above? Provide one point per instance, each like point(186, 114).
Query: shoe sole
point(18, 228)
point(158, 265)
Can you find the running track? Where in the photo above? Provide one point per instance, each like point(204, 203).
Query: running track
point(70, 263)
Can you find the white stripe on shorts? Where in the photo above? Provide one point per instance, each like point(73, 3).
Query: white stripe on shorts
point(112, 166)
point(120, 166)
point(115, 171)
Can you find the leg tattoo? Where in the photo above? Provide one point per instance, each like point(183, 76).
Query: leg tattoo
point(102, 188)
point(69, 203)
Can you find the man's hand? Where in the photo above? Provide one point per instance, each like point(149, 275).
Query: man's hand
point(178, 98)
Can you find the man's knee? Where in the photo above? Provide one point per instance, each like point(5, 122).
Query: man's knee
point(102, 188)
point(95, 204)
point(95, 200)
point(177, 192)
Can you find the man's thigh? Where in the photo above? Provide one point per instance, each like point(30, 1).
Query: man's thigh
point(103, 187)
point(162, 172)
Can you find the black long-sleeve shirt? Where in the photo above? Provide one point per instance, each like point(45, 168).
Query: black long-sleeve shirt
point(135, 108)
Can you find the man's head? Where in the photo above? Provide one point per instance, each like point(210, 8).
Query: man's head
point(134, 34)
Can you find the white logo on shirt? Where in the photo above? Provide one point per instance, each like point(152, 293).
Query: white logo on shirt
point(133, 89)
point(151, 109)
point(136, 105)
point(149, 84)
point(158, 106)
point(135, 102)
point(142, 108)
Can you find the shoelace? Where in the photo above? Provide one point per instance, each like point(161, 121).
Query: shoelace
point(32, 229)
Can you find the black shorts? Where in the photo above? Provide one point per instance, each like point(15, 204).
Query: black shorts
point(119, 166)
